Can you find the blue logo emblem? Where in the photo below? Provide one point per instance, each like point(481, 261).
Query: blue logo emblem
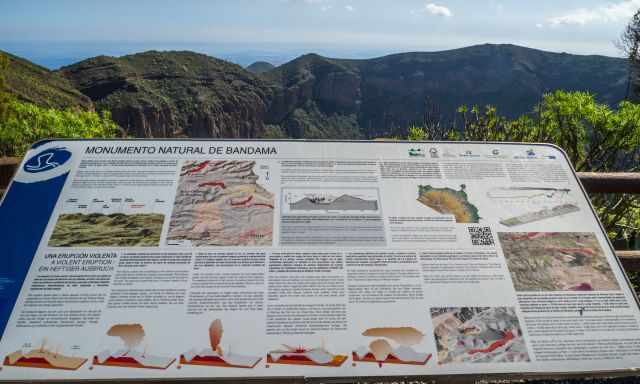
point(47, 159)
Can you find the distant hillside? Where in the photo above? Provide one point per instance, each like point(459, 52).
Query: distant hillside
point(389, 93)
point(260, 67)
point(170, 94)
point(35, 84)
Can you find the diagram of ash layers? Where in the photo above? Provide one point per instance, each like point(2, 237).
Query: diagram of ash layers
point(132, 336)
point(43, 357)
point(215, 355)
point(317, 356)
point(382, 349)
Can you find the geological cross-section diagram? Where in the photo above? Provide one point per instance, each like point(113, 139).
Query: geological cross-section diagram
point(43, 358)
point(478, 335)
point(393, 345)
point(318, 356)
point(132, 336)
point(450, 202)
point(216, 356)
point(546, 213)
point(221, 203)
point(556, 261)
point(333, 200)
point(342, 203)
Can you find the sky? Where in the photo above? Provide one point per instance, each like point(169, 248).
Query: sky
point(60, 32)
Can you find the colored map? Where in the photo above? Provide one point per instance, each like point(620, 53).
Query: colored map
point(221, 203)
point(448, 201)
point(556, 261)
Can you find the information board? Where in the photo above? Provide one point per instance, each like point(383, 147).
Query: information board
point(133, 259)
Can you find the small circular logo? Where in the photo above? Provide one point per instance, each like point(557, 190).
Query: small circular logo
point(48, 159)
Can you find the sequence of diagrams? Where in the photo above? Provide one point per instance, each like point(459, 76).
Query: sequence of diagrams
point(463, 334)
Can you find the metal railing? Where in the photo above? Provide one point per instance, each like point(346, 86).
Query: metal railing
point(619, 182)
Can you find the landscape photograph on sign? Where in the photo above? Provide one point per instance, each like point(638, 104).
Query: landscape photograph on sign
point(221, 203)
point(114, 219)
point(557, 261)
point(107, 230)
point(478, 335)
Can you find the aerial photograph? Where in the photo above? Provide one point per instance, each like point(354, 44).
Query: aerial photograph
point(478, 335)
point(557, 261)
point(107, 230)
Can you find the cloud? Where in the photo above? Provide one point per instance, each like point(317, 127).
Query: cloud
point(438, 10)
point(611, 12)
point(349, 8)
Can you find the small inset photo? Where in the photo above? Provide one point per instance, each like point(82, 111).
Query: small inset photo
point(557, 261)
point(478, 335)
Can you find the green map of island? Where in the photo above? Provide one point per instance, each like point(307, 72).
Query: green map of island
point(449, 201)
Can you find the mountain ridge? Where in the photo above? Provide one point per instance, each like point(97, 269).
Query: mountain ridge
point(182, 93)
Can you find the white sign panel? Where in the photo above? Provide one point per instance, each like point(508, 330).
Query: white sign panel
point(234, 259)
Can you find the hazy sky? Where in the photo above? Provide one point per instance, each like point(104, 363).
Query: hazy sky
point(584, 26)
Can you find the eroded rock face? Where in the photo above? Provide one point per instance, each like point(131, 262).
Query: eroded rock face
point(175, 94)
point(178, 94)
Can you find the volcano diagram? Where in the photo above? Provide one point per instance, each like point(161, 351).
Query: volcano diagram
point(392, 345)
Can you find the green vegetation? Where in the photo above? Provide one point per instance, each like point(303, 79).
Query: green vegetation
point(5, 97)
point(595, 137)
point(32, 83)
point(273, 132)
point(24, 124)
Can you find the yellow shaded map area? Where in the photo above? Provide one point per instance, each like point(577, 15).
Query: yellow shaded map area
point(449, 201)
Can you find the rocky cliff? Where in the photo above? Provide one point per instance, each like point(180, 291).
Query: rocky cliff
point(175, 94)
point(178, 94)
point(385, 95)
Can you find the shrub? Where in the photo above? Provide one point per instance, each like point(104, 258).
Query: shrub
point(24, 124)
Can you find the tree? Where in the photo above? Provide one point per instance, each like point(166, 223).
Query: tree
point(24, 124)
point(5, 96)
point(630, 45)
point(595, 137)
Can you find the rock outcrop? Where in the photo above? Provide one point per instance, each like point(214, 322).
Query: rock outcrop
point(186, 94)
point(175, 94)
